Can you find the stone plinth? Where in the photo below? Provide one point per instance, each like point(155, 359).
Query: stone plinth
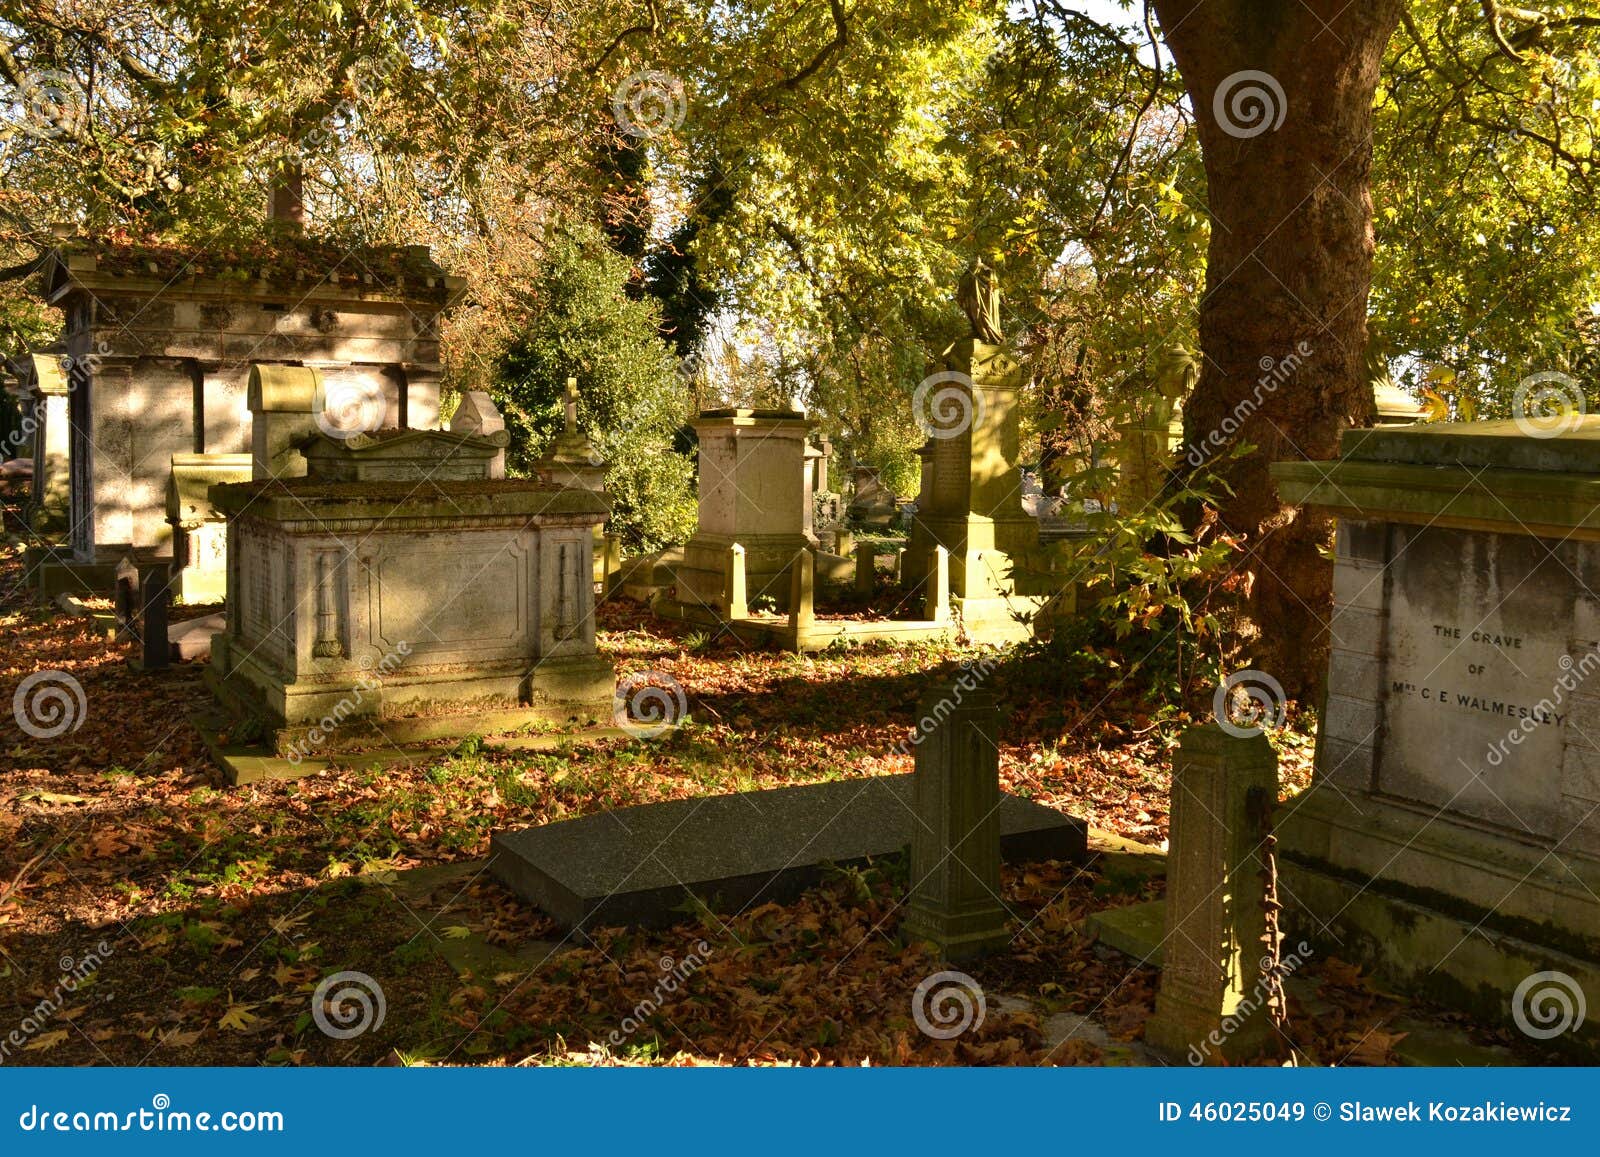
point(972, 496)
point(1456, 798)
point(955, 835)
point(161, 343)
point(1213, 1003)
point(752, 480)
point(199, 530)
point(361, 603)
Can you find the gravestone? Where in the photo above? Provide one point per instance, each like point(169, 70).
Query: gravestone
point(971, 500)
point(1451, 835)
point(955, 835)
point(396, 592)
point(752, 492)
point(199, 531)
point(477, 414)
point(1214, 998)
point(638, 865)
point(43, 386)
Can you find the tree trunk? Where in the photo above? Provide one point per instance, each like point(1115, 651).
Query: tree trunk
point(1282, 93)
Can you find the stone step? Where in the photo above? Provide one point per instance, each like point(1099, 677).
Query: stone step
point(639, 865)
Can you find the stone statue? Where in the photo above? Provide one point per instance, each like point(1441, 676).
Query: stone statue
point(979, 298)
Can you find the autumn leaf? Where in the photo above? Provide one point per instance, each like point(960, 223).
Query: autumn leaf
point(46, 1041)
point(239, 1017)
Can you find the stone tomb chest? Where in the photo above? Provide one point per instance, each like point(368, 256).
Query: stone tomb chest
point(1451, 836)
point(396, 593)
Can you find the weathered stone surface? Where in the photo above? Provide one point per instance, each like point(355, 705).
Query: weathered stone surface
point(752, 492)
point(355, 604)
point(638, 865)
point(199, 531)
point(955, 840)
point(1456, 797)
point(1213, 1002)
point(160, 342)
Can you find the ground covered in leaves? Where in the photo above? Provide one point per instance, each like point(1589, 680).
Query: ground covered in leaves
point(196, 921)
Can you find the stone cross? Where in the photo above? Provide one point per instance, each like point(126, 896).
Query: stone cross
point(1213, 1004)
point(571, 400)
point(955, 835)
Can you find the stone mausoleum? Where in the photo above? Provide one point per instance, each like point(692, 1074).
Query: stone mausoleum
point(159, 343)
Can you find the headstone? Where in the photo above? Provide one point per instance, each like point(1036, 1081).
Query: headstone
point(971, 498)
point(1450, 839)
point(752, 491)
point(199, 531)
point(477, 414)
point(44, 395)
point(955, 835)
point(1214, 1001)
point(283, 403)
point(866, 568)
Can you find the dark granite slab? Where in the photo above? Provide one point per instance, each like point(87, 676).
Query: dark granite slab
point(635, 866)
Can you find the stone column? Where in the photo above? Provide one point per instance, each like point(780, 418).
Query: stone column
point(955, 837)
point(1213, 1003)
point(738, 605)
point(937, 608)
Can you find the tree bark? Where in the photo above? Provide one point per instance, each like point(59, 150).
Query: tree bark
point(1283, 324)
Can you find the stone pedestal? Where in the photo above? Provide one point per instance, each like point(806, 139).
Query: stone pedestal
point(752, 492)
point(1450, 839)
point(477, 414)
point(955, 836)
point(397, 591)
point(1213, 1004)
point(972, 501)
